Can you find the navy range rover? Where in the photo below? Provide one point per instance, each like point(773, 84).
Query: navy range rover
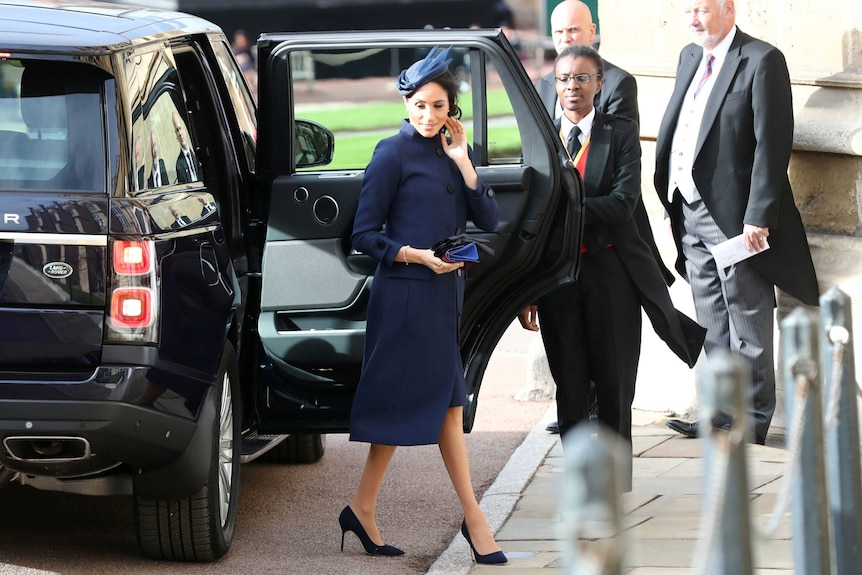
point(178, 290)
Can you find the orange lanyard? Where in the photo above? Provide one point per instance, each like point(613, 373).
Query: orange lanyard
point(580, 153)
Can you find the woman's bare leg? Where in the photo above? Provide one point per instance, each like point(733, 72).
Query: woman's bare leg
point(364, 503)
point(454, 451)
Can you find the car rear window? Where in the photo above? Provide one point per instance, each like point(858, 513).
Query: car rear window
point(51, 126)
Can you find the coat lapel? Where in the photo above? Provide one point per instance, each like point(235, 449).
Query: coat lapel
point(719, 90)
point(597, 154)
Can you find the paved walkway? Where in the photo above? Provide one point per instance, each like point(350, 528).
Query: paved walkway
point(663, 510)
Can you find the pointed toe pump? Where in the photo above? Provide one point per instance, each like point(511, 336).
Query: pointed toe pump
point(495, 558)
point(349, 522)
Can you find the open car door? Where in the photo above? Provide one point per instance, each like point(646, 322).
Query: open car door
point(317, 88)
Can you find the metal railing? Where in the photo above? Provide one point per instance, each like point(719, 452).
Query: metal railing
point(822, 481)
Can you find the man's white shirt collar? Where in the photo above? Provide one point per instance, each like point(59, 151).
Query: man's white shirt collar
point(586, 125)
point(720, 51)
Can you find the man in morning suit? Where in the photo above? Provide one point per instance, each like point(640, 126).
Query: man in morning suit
point(188, 167)
point(572, 25)
point(721, 170)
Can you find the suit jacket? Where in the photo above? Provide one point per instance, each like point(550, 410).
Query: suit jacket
point(181, 222)
point(163, 176)
point(743, 179)
point(612, 183)
point(619, 96)
point(184, 175)
point(141, 178)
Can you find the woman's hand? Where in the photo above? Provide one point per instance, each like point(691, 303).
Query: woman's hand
point(437, 265)
point(456, 145)
point(456, 148)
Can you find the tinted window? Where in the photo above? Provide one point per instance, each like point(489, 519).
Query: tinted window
point(244, 108)
point(51, 126)
point(164, 147)
point(352, 93)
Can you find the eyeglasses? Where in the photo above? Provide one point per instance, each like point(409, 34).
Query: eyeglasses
point(579, 78)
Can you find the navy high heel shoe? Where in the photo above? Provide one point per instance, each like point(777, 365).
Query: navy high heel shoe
point(349, 522)
point(494, 558)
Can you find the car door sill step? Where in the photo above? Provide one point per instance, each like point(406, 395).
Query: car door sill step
point(254, 445)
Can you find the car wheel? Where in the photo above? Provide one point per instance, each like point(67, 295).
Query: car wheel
point(201, 527)
point(298, 448)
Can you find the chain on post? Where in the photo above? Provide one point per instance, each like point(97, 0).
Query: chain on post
point(804, 371)
point(839, 337)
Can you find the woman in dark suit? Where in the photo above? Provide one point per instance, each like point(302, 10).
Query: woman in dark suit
point(420, 187)
point(591, 328)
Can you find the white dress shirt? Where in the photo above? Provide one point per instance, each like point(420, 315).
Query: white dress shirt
point(688, 124)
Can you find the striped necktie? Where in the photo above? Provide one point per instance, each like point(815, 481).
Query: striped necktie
point(706, 74)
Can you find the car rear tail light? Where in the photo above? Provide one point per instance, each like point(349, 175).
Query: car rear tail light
point(132, 307)
point(132, 311)
point(132, 257)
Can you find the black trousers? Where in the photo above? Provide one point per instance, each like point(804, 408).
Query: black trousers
point(591, 330)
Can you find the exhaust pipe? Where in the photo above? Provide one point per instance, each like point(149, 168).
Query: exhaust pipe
point(47, 449)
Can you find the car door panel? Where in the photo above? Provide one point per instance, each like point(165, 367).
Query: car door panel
point(315, 286)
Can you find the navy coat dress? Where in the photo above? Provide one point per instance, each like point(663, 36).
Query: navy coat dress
point(412, 194)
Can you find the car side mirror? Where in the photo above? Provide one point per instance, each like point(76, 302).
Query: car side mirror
point(314, 144)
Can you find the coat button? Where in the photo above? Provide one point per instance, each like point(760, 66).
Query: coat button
point(381, 244)
point(439, 151)
point(490, 193)
point(450, 189)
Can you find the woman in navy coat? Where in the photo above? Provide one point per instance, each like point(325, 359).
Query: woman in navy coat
point(420, 187)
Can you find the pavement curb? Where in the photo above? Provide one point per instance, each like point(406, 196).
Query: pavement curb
point(500, 499)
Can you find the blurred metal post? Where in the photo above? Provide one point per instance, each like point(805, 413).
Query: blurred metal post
point(841, 421)
point(591, 528)
point(809, 504)
point(724, 546)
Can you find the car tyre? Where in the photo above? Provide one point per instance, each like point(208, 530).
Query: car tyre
point(298, 448)
point(201, 527)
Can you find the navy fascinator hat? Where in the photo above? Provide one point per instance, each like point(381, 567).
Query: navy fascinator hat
point(423, 71)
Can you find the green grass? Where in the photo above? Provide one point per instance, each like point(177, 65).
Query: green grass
point(382, 115)
point(353, 150)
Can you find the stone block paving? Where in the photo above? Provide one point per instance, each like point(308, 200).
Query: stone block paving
point(662, 512)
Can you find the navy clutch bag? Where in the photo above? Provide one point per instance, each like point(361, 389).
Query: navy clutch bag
point(461, 248)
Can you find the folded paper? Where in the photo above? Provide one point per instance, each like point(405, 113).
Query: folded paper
point(731, 252)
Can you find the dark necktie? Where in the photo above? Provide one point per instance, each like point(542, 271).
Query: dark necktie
point(706, 74)
point(573, 143)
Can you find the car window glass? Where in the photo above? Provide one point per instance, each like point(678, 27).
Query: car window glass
point(51, 125)
point(163, 150)
point(353, 94)
point(240, 97)
point(504, 141)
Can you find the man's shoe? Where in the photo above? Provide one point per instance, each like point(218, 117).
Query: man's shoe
point(687, 428)
point(553, 427)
